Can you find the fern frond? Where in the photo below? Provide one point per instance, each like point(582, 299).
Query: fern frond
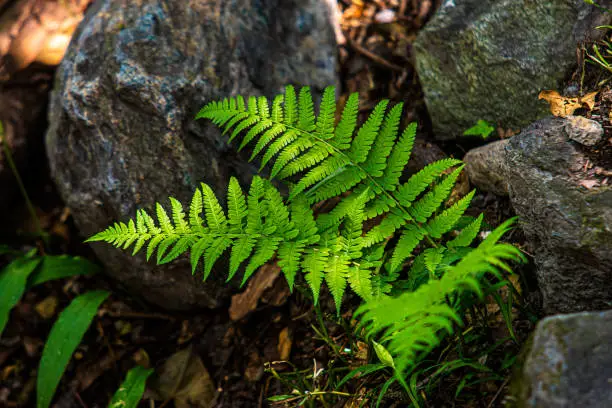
point(306, 116)
point(413, 323)
point(467, 235)
point(348, 121)
point(314, 263)
point(360, 147)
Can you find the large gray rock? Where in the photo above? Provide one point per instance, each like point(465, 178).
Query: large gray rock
point(489, 59)
point(567, 364)
point(564, 208)
point(122, 134)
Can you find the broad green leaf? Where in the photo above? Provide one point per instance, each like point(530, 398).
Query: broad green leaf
point(65, 336)
point(63, 266)
point(13, 280)
point(130, 392)
point(482, 128)
point(383, 355)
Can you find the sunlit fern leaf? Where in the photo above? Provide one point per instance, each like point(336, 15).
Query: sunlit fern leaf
point(327, 113)
point(361, 282)
point(399, 157)
point(433, 258)
point(195, 209)
point(360, 147)
point(215, 216)
point(410, 237)
point(289, 257)
point(262, 107)
point(445, 221)
point(264, 251)
point(268, 136)
point(279, 144)
point(290, 153)
point(290, 105)
point(410, 323)
point(348, 121)
point(422, 209)
point(467, 235)
point(236, 206)
point(178, 216)
point(336, 275)
point(407, 192)
point(376, 161)
point(306, 116)
point(314, 263)
point(277, 109)
point(240, 252)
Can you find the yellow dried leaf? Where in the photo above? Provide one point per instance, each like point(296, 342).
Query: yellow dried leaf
point(284, 344)
point(563, 106)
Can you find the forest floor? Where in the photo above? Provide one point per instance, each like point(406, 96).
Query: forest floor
point(235, 341)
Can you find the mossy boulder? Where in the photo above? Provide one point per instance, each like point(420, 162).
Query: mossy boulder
point(489, 59)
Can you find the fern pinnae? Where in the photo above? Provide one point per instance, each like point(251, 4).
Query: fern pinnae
point(327, 113)
point(343, 134)
point(422, 209)
point(467, 235)
point(290, 105)
point(306, 116)
point(399, 157)
point(444, 222)
point(376, 161)
point(236, 206)
point(361, 144)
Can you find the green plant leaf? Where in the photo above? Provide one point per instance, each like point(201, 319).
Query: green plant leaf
point(130, 392)
point(383, 355)
point(277, 398)
point(65, 336)
point(481, 128)
point(13, 281)
point(59, 267)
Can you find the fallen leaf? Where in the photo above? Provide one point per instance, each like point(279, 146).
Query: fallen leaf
point(47, 307)
point(245, 302)
point(184, 379)
point(255, 369)
point(284, 344)
point(563, 106)
point(589, 184)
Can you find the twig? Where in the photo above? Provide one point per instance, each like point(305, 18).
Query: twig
point(498, 392)
point(376, 58)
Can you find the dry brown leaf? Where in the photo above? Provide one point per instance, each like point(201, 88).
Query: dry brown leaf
point(245, 302)
point(563, 106)
point(284, 344)
point(589, 184)
point(47, 307)
point(184, 379)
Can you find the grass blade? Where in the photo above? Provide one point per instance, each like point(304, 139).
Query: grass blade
point(13, 280)
point(59, 267)
point(65, 336)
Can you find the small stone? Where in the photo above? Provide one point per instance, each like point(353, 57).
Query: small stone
point(584, 131)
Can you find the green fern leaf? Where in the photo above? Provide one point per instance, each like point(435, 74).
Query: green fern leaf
point(376, 161)
point(215, 217)
point(327, 113)
point(467, 235)
point(360, 147)
point(164, 221)
point(289, 257)
point(264, 251)
point(236, 206)
point(445, 221)
point(277, 109)
point(360, 281)
point(410, 238)
point(399, 157)
point(336, 275)
point(344, 131)
point(306, 116)
point(314, 263)
point(290, 105)
point(424, 207)
point(178, 216)
point(213, 252)
point(195, 209)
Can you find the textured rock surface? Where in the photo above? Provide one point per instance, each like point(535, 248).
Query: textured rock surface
point(489, 59)
point(569, 363)
point(568, 226)
point(122, 134)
